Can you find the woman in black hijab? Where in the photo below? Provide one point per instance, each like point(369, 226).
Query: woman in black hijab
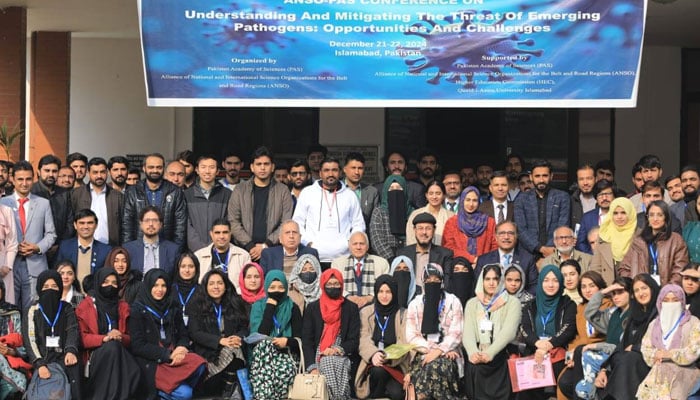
point(381, 325)
point(186, 278)
point(461, 280)
point(112, 372)
point(51, 335)
point(160, 342)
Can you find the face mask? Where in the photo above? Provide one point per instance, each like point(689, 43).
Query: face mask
point(277, 296)
point(403, 279)
point(433, 289)
point(109, 291)
point(333, 293)
point(307, 277)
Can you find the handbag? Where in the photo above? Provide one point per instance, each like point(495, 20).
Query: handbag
point(307, 386)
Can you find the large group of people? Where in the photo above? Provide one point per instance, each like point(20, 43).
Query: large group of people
point(183, 285)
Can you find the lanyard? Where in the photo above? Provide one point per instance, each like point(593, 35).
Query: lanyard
point(590, 329)
point(109, 323)
point(330, 205)
point(379, 324)
point(55, 319)
point(666, 336)
point(187, 300)
point(217, 310)
point(278, 327)
point(488, 306)
point(654, 252)
point(160, 317)
point(546, 319)
point(224, 266)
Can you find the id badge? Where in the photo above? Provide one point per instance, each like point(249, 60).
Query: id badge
point(162, 334)
point(485, 325)
point(185, 319)
point(53, 341)
point(545, 337)
point(434, 337)
point(380, 345)
point(657, 278)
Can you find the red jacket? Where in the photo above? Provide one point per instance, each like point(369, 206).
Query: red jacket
point(86, 313)
point(455, 240)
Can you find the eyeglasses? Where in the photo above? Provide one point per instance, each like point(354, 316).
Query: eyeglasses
point(606, 194)
point(297, 173)
point(505, 233)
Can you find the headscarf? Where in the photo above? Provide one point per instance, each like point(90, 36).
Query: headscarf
point(5, 307)
point(471, 224)
point(671, 319)
point(310, 291)
point(49, 299)
point(161, 306)
point(461, 283)
point(331, 310)
point(249, 296)
point(406, 287)
point(518, 268)
point(283, 310)
point(547, 305)
point(639, 317)
point(109, 262)
point(619, 237)
point(105, 303)
point(499, 298)
point(433, 297)
point(385, 313)
point(397, 204)
point(183, 288)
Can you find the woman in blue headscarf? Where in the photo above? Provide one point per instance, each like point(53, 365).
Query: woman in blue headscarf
point(470, 233)
point(402, 271)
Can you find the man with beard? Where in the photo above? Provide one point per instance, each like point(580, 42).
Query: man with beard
point(605, 169)
point(539, 212)
point(514, 166)
point(298, 178)
point(564, 241)
point(6, 187)
point(582, 200)
point(106, 202)
point(59, 198)
point(484, 173)
point(187, 159)
point(427, 167)
point(66, 177)
point(154, 191)
point(367, 195)
point(453, 188)
point(498, 208)
point(282, 174)
point(360, 270)
point(424, 251)
point(85, 251)
point(651, 171)
point(468, 176)
point(232, 165)
point(675, 188)
point(652, 191)
point(690, 181)
point(327, 214)
point(604, 194)
point(151, 250)
point(395, 164)
point(118, 171)
point(258, 206)
point(314, 156)
point(78, 162)
point(508, 253)
point(175, 174)
point(207, 201)
point(524, 182)
point(133, 177)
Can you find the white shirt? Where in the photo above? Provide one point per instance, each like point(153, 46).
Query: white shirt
point(496, 210)
point(99, 207)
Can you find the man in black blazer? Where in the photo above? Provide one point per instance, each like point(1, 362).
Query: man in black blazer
point(289, 250)
point(424, 227)
point(150, 251)
point(498, 207)
point(508, 253)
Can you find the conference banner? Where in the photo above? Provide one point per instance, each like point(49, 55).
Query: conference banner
point(392, 53)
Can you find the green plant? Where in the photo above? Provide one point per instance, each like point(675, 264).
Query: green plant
point(9, 135)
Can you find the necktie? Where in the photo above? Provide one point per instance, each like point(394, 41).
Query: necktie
point(84, 249)
point(358, 269)
point(506, 259)
point(501, 217)
point(23, 215)
point(451, 206)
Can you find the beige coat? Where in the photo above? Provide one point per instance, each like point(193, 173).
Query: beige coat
point(237, 258)
point(367, 347)
point(603, 262)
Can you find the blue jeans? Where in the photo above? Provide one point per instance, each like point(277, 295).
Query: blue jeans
point(184, 391)
point(591, 360)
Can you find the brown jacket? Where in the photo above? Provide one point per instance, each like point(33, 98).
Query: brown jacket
point(603, 262)
point(367, 347)
point(81, 198)
point(672, 253)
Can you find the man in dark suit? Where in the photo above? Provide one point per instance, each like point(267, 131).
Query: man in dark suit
point(85, 252)
point(284, 256)
point(498, 207)
point(367, 195)
point(150, 251)
point(539, 212)
point(424, 252)
point(508, 253)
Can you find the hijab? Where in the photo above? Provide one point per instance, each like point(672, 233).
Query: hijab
point(331, 310)
point(499, 298)
point(385, 313)
point(462, 283)
point(639, 317)
point(161, 306)
point(49, 300)
point(396, 203)
point(405, 280)
point(667, 332)
point(433, 299)
point(283, 309)
point(471, 224)
point(106, 300)
point(518, 268)
point(251, 297)
point(619, 237)
point(184, 288)
point(109, 262)
point(310, 291)
point(547, 305)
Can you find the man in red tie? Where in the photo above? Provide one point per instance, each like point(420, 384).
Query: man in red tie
point(360, 270)
point(35, 233)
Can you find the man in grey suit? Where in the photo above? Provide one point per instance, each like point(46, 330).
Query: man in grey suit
point(35, 233)
point(354, 171)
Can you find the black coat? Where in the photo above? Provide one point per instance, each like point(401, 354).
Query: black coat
point(438, 255)
point(34, 336)
point(313, 328)
point(173, 208)
point(205, 335)
point(564, 322)
point(61, 209)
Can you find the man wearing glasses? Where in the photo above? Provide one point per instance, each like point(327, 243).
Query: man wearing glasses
point(604, 193)
point(298, 178)
point(508, 254)
point(564, 241)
